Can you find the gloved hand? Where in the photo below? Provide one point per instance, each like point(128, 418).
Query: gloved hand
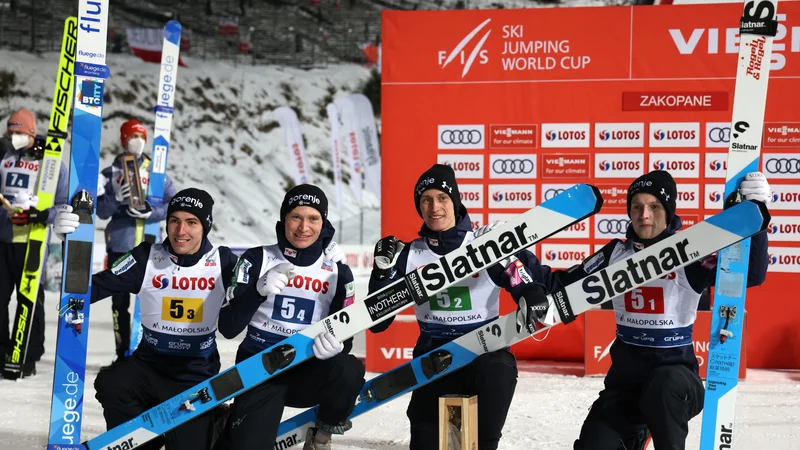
point(754, 186)
point(101, 185)
point(123, 193)
point(326, 346)
point(334, 253)
point(387, 251)
point(24, 200)
point(487, 228)
point(66, 221)
point(136, 214)
point(30, 216)
point(532, 307)
point(275, 279)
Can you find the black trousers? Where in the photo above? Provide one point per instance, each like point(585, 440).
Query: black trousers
point(12, 259)
point(664, 403)
point(492, 377)
point(120, 303)
point(332, 383)
point(132, 386)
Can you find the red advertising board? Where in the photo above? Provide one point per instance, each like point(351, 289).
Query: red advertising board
point(522, 105)
point(600, 334)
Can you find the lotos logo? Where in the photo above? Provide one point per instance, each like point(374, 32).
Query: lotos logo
point(565, 135)
point(606, 135)
point(616, 135)
point(565, 255)
point(661, 135)
point(686, 196)
point(715, 196)
point(773, 259)
point(309, 284)
point(551, 255)
point(619, 165)
point(160, 281)
point(772, 228)
point(717, 165)
point(512, 196)
point(562, 256)
point(673, 165)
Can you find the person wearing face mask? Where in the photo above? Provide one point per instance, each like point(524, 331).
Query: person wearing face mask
point(181, 283)
point(19, 172)
point(113, 202)
point(460, 309)
point(653, 387)
point(279, 290)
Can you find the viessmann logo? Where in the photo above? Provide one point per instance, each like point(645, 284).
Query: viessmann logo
point(466, 57)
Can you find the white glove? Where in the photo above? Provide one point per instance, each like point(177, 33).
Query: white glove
point(487, 228)
point(755, 187)
point(25, 201)
point(275, 279)
point(101, 185)
point(65, 222)
point(326, 346)
point(123, 193)
point(334, 253)
point(136, 214)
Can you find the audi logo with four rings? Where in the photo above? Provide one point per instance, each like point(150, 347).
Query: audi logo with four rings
point(720, 134)
point(550, 193)
point(509, 166)
point(612, 226)
point(461, 137)
point(783, 165)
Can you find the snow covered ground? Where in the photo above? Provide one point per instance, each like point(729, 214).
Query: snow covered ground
point(547, 411)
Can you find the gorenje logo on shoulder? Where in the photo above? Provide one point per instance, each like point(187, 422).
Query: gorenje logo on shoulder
point(472, 258)
point(464, 57)
point(605, 284)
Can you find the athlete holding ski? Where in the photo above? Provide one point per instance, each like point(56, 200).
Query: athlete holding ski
point(279, 290)
point(181, 283)
point(653, 383)
point(19, 170)
point(113, 201)
point(460, 309)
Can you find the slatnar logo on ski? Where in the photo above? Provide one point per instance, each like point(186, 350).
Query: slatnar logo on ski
point(606, 285)
point(436, 274)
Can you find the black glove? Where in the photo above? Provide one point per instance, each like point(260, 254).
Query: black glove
point(532, 307)
point(387, 251)
point(30, 216)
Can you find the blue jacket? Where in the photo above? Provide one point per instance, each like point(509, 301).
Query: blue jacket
point(631, 363)
point(62, 191)
point(121, 230)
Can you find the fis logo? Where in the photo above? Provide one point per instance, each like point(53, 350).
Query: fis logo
point(464, 57)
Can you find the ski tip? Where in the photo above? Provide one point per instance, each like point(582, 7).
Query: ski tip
point(172, 32)
point(599, 196)
point(766, 217)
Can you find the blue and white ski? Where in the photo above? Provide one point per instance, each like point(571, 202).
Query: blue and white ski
point(696, 242)
point(151, 230)
point(518, 233)
point(757, 29)
point(70, 368)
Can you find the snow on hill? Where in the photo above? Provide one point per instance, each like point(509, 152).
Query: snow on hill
point(224, 138)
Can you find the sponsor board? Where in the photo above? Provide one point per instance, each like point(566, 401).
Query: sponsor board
point(510, 166)
point(618, 135)
point(716, 165)
point(713, 197)
point(679, 165)
point(563, 256)
point(513, 136)
point(451, 137)
point(674, 134)
point(618, 165)
point(506, 196)
point(688, 196)
point(784, 259)
point(563, 165)
point(465, 166)
point(565, 135)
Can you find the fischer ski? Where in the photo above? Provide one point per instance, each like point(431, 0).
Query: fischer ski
point(49, 170)
point(66, 413)
point(679, 250)
point(518, 233)
point(758, 27)
point(150, 231)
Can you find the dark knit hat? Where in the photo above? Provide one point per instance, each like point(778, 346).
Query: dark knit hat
point(443, 178)
point(661, 185)
point(305, 195)
point(194, 201)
